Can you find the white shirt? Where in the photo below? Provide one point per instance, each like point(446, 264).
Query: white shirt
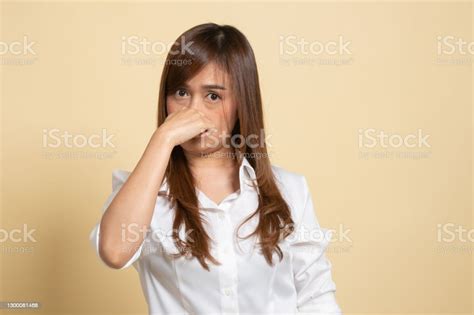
point(244, 283)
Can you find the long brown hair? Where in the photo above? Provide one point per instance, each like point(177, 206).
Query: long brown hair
point(231, 51)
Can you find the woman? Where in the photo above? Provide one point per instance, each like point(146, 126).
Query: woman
point(210, 225)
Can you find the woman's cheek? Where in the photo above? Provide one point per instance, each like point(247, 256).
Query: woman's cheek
point(171, 106)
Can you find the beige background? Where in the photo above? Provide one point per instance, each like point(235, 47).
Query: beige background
point(79, 81)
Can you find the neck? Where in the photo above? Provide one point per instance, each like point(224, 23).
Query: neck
point(222, 158)
point(219, 167)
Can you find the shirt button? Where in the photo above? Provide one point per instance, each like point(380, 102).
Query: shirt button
point(221, 215)
point(228, 292)
point(226, 250)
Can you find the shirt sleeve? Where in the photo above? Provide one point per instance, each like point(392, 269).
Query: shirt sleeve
point(119, 177)
point(311, 268)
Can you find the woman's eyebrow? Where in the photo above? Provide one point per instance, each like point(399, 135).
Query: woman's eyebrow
point(213, 86)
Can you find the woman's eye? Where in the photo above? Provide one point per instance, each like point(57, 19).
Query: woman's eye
point(213, 96)
point(181, 93)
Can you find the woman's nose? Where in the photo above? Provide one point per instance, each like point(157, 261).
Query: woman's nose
point(195, 102)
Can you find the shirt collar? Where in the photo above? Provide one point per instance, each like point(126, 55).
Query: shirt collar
point(247, 178)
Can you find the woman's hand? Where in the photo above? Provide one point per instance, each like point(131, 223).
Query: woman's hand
point(185, 124)
point(134, 204)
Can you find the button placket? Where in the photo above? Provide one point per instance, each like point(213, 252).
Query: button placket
point(228, 291)
point(228, 267)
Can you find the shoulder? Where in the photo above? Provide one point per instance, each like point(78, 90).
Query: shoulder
point(289, 180)
point(284, 175)
point(119, 177)
point(293, 187)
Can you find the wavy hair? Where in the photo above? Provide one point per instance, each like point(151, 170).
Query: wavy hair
point(230, 50)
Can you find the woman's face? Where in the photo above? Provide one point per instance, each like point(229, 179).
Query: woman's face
point(209, 92)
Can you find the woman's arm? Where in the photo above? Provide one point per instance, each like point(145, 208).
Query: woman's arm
point(131, 210)
point(311, 268)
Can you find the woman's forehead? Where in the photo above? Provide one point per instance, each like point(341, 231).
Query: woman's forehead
point(210, 75)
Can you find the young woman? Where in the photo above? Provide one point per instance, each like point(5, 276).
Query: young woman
point(209, 224)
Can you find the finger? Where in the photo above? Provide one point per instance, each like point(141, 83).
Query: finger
point(209, 123)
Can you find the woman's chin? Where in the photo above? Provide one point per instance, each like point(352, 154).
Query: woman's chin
point(197, 146)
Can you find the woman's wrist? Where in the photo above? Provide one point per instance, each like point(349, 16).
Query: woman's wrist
point(162, 140)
